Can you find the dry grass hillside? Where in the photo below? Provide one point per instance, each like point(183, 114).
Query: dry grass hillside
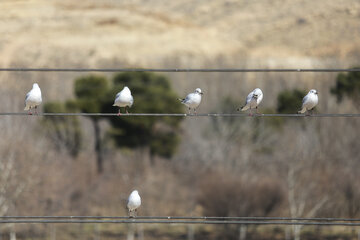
point(147, 33)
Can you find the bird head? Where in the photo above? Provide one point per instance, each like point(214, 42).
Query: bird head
point(257, 91)
point(198, 90)
point(126, 89)
point(313, 91)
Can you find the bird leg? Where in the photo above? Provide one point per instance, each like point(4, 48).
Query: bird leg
point(36, 110)
point(257, 111)
point(119, 113)
point(189, 110)
point(126, 110)
point(195, 111)
point(250, 114)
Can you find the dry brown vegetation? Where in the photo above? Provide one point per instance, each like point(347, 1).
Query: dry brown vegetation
point(228, 167)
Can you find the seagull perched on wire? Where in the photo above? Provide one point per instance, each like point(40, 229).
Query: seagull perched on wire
point(124, 99)
point(192, 100)
point(253, 100)
point(33, 98)
point(309, 101)
point(134, 201)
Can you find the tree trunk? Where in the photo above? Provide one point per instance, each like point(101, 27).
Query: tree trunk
point(190, 232)
point(12, 232)
point(242, 232)
point(131, 232)
point(98, 146)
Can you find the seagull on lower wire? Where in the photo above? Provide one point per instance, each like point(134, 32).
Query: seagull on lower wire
point(134, 202)
point(309, 101)
point(252, 101)
point(124, 99)
point(192, 100)
point(33, 99)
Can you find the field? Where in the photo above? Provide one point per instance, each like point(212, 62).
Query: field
point(222, 166)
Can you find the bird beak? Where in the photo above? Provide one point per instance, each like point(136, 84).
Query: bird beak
point(201, 93)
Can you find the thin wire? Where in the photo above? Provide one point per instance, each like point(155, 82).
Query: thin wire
point(134, 220)
point(185, 218)
point(178, 70)
point(347, 115)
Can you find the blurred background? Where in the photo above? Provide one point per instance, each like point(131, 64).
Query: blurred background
point(181, 166)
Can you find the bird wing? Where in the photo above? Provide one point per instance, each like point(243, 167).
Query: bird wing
point(27, 96)
point(188, 98)
point(249, 97)
point(117, 95)
point(305, 99)
point(131, 100)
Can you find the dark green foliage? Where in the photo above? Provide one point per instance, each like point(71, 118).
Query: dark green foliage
point(152, 94)
point(290, 101)
point(90, 92)
point(347, 84)
point(63, 131)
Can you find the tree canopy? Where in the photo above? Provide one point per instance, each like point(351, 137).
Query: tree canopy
point(290, 101)
point(152, 94)
point(347, 84)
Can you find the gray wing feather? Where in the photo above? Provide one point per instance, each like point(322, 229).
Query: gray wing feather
point(305, 99)
point(27, 96)
point(188, 97)
point(131, 101)
point(249, 97)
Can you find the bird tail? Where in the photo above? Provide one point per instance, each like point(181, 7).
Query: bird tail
point(303, 110)
point(181, 99)
point(243, 108)
point(27, 108)
point(114, 105)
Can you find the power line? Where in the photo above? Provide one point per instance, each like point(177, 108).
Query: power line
point(135, 220)
point(187, 218)
point(325, 115)
point(179, 70)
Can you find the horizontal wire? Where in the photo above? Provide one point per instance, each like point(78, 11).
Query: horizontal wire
point(347, 115)
point(178, 70)
point(185, 218)
point(134, 220)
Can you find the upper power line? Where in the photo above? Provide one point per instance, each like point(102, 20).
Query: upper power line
point(179, 70)
point(326, 115)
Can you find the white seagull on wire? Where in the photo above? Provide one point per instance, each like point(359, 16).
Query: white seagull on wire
point(309, 101)
point(134, 202)
point(124, 99)
point(253, 100)
point(192, 100)
point(33, 98)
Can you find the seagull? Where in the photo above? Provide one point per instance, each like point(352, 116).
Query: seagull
point(124, 99)
point(309, 101)
point(253, 100)
point(134, 201)
point(192, 100)
point(33, 98)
